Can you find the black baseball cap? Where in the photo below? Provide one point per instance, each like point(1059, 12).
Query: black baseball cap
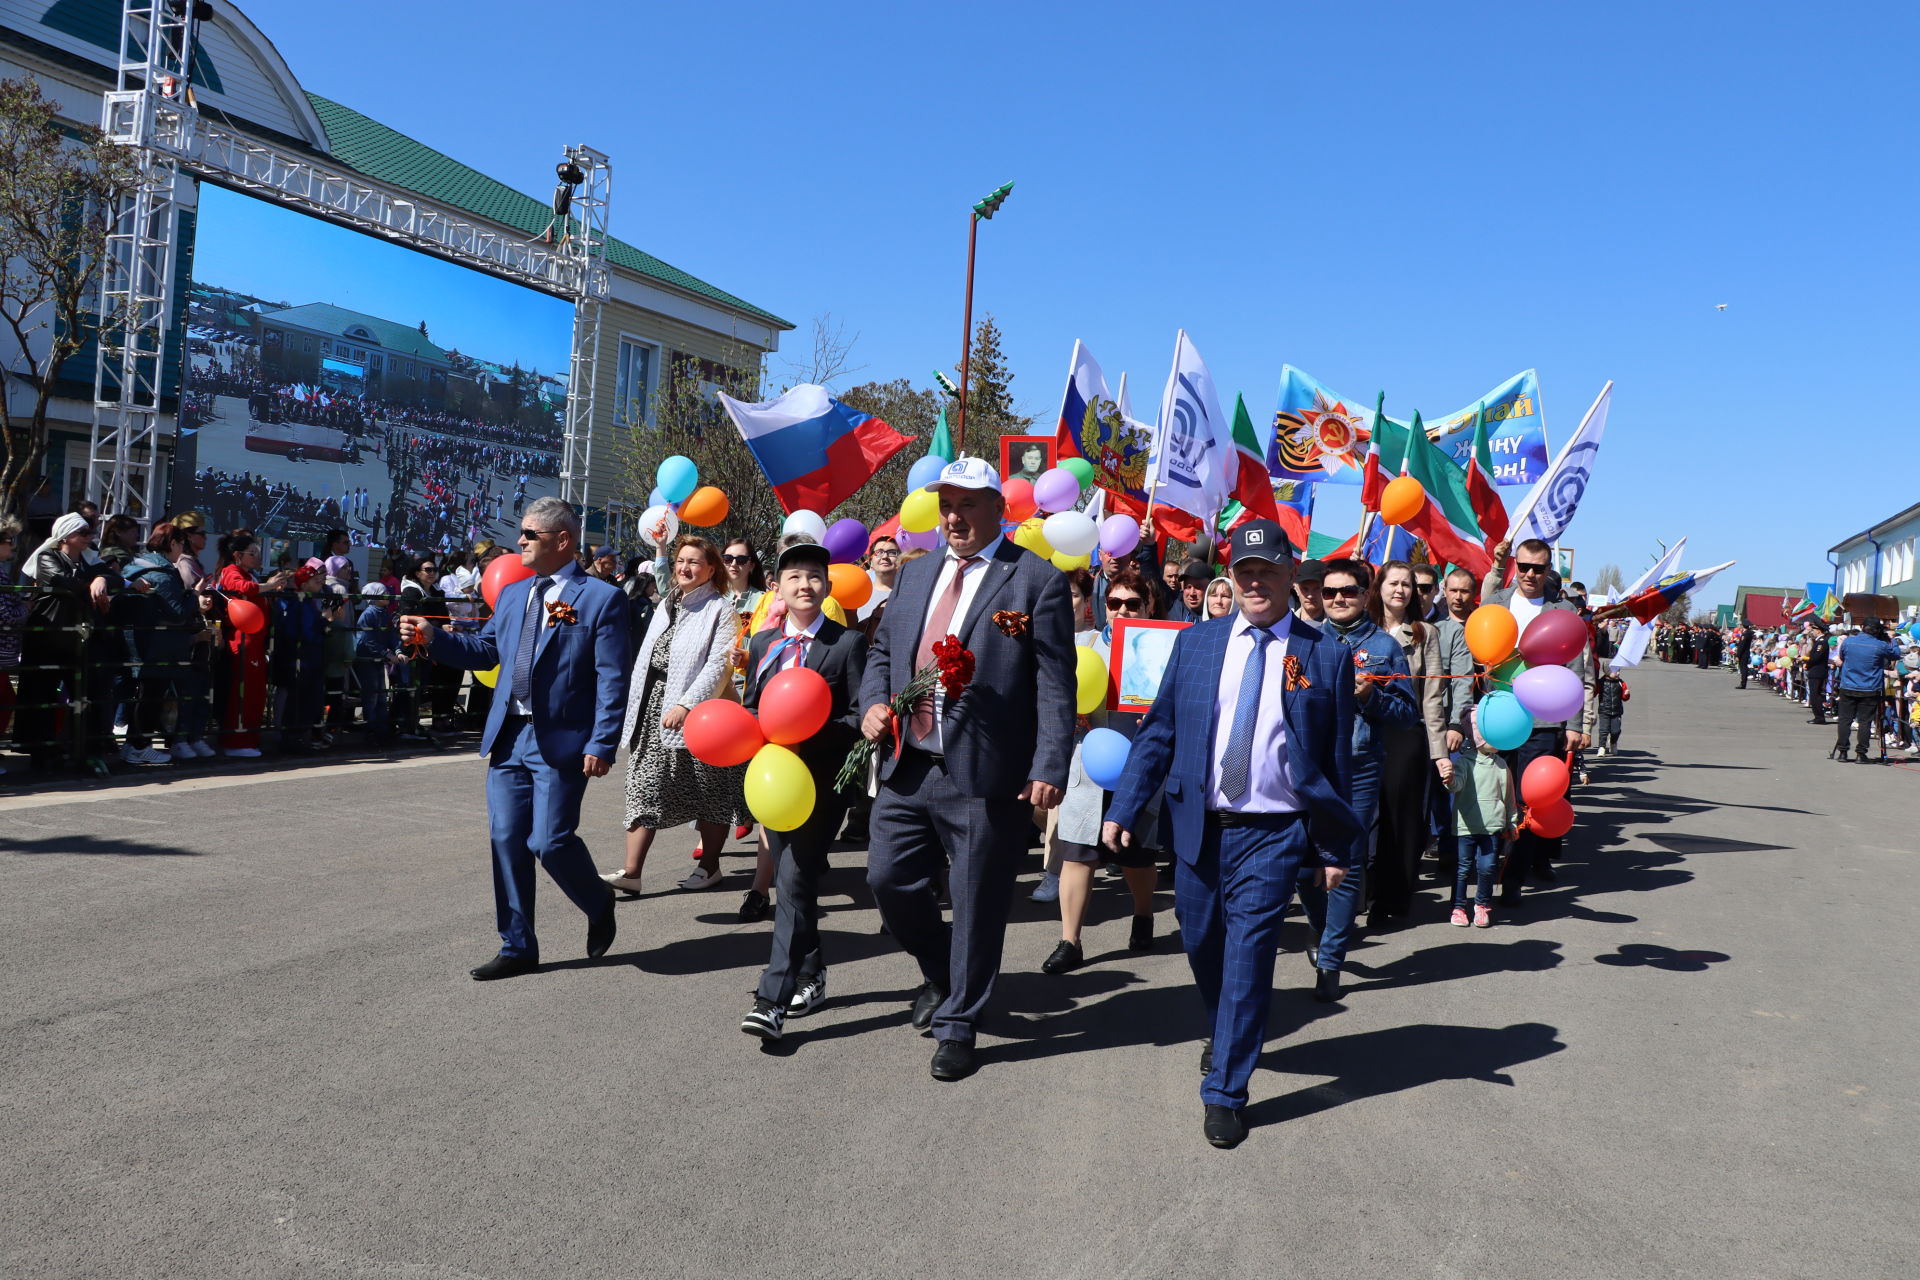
point(1260, 540)
point(803, 553)
point(1310, 571)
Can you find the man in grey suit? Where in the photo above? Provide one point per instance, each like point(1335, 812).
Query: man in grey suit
point(969, 770)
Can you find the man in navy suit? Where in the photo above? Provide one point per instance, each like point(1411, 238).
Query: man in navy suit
point(1253, 732)
point(971, 769)
point(560, 641)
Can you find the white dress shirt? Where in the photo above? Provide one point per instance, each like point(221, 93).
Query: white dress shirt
point(1269, 786)
point(969, 587)
point(554, 588)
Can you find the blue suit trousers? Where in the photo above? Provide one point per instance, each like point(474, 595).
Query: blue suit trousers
point(533, 810)
point(1230, 902)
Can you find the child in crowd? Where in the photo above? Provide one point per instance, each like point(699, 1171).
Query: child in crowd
point(1483, 810)
point(375, 649)
point(1610, 696)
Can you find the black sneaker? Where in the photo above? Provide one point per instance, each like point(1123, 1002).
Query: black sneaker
point(1065, 958)
point(754, 907)
point(765, 1020)
point(1140, 937)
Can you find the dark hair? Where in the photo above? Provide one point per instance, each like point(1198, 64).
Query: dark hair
point(118, 526)
point(1377, 608)
point(1152, 591)
point(232, 544)
point(1359, 570)
point(1536, 546)
point(1081, 580)
point(332, 536)
point(1425, 567)
point(756, 573)
point(165, 538)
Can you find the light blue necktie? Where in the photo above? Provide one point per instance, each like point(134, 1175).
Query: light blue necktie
point(529, 641)
point(1238, 764)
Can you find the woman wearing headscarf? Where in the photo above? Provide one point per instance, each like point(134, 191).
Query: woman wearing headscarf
point(69, 603)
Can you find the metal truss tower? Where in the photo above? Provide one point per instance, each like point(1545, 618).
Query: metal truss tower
point(581, 235)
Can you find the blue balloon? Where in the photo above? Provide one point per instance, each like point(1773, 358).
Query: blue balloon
point(1504, 723)
point(1103, 754)
point(924, 472)
point(677, 478)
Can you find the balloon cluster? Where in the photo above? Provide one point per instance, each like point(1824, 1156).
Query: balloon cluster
point(794, 706)
point(678, 497)
point(846, 541)
point(1531, 686)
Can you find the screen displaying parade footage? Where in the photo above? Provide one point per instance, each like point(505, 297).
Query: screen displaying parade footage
point(339, 382)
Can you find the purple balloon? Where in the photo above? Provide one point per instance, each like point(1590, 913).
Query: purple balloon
point(1057, 490)
point(926, 540)
point(846, 540)
point(1119, 535)
point(1551, 694)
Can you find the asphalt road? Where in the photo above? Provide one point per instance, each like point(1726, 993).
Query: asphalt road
point(240, 1041)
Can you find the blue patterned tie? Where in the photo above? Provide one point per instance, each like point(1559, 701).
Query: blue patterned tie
point(529, 641)
point(1238, 764)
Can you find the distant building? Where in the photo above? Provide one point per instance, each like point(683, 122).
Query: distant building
point(350, 351)
point(1880, 559)
point(1764, 606)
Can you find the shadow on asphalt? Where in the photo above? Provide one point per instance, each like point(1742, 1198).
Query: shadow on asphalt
point(1646, 955)
point(97, 844)
point(1374, 1063)
point(1457, 960)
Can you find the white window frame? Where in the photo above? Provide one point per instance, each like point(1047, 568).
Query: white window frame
point(654, 365)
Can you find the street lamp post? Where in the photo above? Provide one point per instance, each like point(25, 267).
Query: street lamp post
point(984, 209)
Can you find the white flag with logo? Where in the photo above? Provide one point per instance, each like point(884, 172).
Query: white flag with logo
point(1194, 459)
point(1550, 504)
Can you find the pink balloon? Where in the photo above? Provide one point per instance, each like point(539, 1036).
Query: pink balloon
point(1057, 490)
point(925, 540)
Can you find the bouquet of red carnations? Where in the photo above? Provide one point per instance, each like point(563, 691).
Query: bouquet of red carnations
point(951, 669)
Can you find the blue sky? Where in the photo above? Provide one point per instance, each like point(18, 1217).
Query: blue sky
point(1417, 198)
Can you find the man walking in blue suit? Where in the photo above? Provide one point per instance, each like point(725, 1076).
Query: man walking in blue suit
point(1253, 732)
point(559, 639)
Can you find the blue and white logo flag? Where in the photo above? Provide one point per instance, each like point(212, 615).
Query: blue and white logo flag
point(1194, 459)
point(1550, 505)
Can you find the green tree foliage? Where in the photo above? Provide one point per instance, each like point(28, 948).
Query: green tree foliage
point(990, 408)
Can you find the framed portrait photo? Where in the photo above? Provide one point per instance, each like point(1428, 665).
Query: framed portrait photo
point(1025, 457)
point(1137, 662)
point(1563, 563)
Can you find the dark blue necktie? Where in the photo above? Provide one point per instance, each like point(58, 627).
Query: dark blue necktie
point(1238, 764)
point(529, 641)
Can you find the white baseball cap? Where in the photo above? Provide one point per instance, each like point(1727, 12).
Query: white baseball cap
point(968, 473)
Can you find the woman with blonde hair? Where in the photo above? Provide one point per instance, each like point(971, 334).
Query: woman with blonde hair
point(681, 662)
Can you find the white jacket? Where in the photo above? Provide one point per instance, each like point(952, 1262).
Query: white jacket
point(696, 662)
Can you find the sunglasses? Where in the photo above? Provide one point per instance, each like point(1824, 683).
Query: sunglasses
point(738, 559)
point(1423, 586)
point(1342, 593)
point(1117, 603)
point(534, 535)
point(1521, 566)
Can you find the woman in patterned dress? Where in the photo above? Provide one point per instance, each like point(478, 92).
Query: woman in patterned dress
point(681, 662)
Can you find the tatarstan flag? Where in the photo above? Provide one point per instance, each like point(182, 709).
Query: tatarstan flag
point(1386, 449)
point(1488, 510)
point(1445, 520)
point(1252, 485)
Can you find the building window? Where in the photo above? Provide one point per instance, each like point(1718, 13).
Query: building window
point(633, 383)
point(306, 344)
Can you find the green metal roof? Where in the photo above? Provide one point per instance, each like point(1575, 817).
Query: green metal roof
point(390, 156)
point(324, 317)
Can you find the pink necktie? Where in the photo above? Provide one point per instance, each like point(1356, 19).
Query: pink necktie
point(939, 618)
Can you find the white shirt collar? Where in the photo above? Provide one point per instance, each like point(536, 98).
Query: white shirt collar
point(1282, 627)
point(983, 554)
point(810, 631)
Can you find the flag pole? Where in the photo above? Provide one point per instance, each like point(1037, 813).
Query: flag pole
point(1532, 499)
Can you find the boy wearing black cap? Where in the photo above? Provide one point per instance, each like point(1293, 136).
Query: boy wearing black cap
point(795, 981)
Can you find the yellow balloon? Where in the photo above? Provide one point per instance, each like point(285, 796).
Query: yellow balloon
point(920, 512)
point(489, 677)
point(1029, 535)
point(779, 788)
point(1090, 678)
point(1066, 563)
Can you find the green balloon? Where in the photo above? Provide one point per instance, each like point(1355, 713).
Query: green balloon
point(1082, 470)
point(1501, 677)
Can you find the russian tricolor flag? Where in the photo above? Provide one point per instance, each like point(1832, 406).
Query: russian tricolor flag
point(815, 451)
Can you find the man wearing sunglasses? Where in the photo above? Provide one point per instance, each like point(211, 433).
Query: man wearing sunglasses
point(1534, 592)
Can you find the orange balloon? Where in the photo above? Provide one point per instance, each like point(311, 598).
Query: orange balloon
point(1492, 632)
point(705, 506)
point(1402, 500)
point(850, 585)
point(1019, 496)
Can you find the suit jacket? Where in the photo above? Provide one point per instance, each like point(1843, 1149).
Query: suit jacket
point(1014, 722)
point(579, 685)
point(1175, 741)
point(839, 654)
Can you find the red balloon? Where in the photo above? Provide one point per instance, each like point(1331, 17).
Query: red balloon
point(494, 579)
point(794, 705)
point(1553, 639)
point(1545, 781)
point(1019, 496)
point(721, 732)
point(1551, 821)
point(247, 617)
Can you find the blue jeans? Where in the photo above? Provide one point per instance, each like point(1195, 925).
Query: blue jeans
point(1478, 856)
point(1331, 915)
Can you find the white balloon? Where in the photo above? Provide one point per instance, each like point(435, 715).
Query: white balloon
point(659, 526)
point(810, 523)
point(1073, 532)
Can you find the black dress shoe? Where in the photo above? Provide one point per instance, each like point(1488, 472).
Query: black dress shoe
point(1206, 1057)
point(504, 966)
point(1313, 955)
point(1066, 957)
point(1140, 937)
point(1224, 1127)
point(755, 907)
point(601, 929)
point(1545, 873)
point(954, 1060)
point(925, 1001)
point(1326, 986)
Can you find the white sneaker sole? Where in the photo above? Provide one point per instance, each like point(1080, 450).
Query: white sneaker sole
point(760, 1030)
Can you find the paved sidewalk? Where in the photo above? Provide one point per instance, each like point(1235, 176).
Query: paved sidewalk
point(240, 1041)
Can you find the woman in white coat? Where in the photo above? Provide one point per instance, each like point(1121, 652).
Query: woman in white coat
point(681, 662)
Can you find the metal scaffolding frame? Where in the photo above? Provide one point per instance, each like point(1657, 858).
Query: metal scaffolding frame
point(151, 109)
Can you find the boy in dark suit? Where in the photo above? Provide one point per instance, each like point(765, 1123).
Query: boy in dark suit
point(795, 981)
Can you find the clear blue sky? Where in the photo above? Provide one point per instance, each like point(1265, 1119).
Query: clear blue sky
point(1416, 198)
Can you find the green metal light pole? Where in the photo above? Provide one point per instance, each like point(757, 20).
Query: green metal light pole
point(985, 209)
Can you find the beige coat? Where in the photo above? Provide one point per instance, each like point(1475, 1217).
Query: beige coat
point(1423, 660)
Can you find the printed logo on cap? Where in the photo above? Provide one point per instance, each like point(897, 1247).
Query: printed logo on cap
point(1256, 536)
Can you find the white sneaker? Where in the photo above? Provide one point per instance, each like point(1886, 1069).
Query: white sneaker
point(184, 751)
point(808, 998)
point(145, 755)
point(201, 749)
point(242, 753)
point(702, 879)
point(621, 880)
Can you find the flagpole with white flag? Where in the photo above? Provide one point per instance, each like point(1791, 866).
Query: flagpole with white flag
point(1565, 482)
point(1191, 467)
